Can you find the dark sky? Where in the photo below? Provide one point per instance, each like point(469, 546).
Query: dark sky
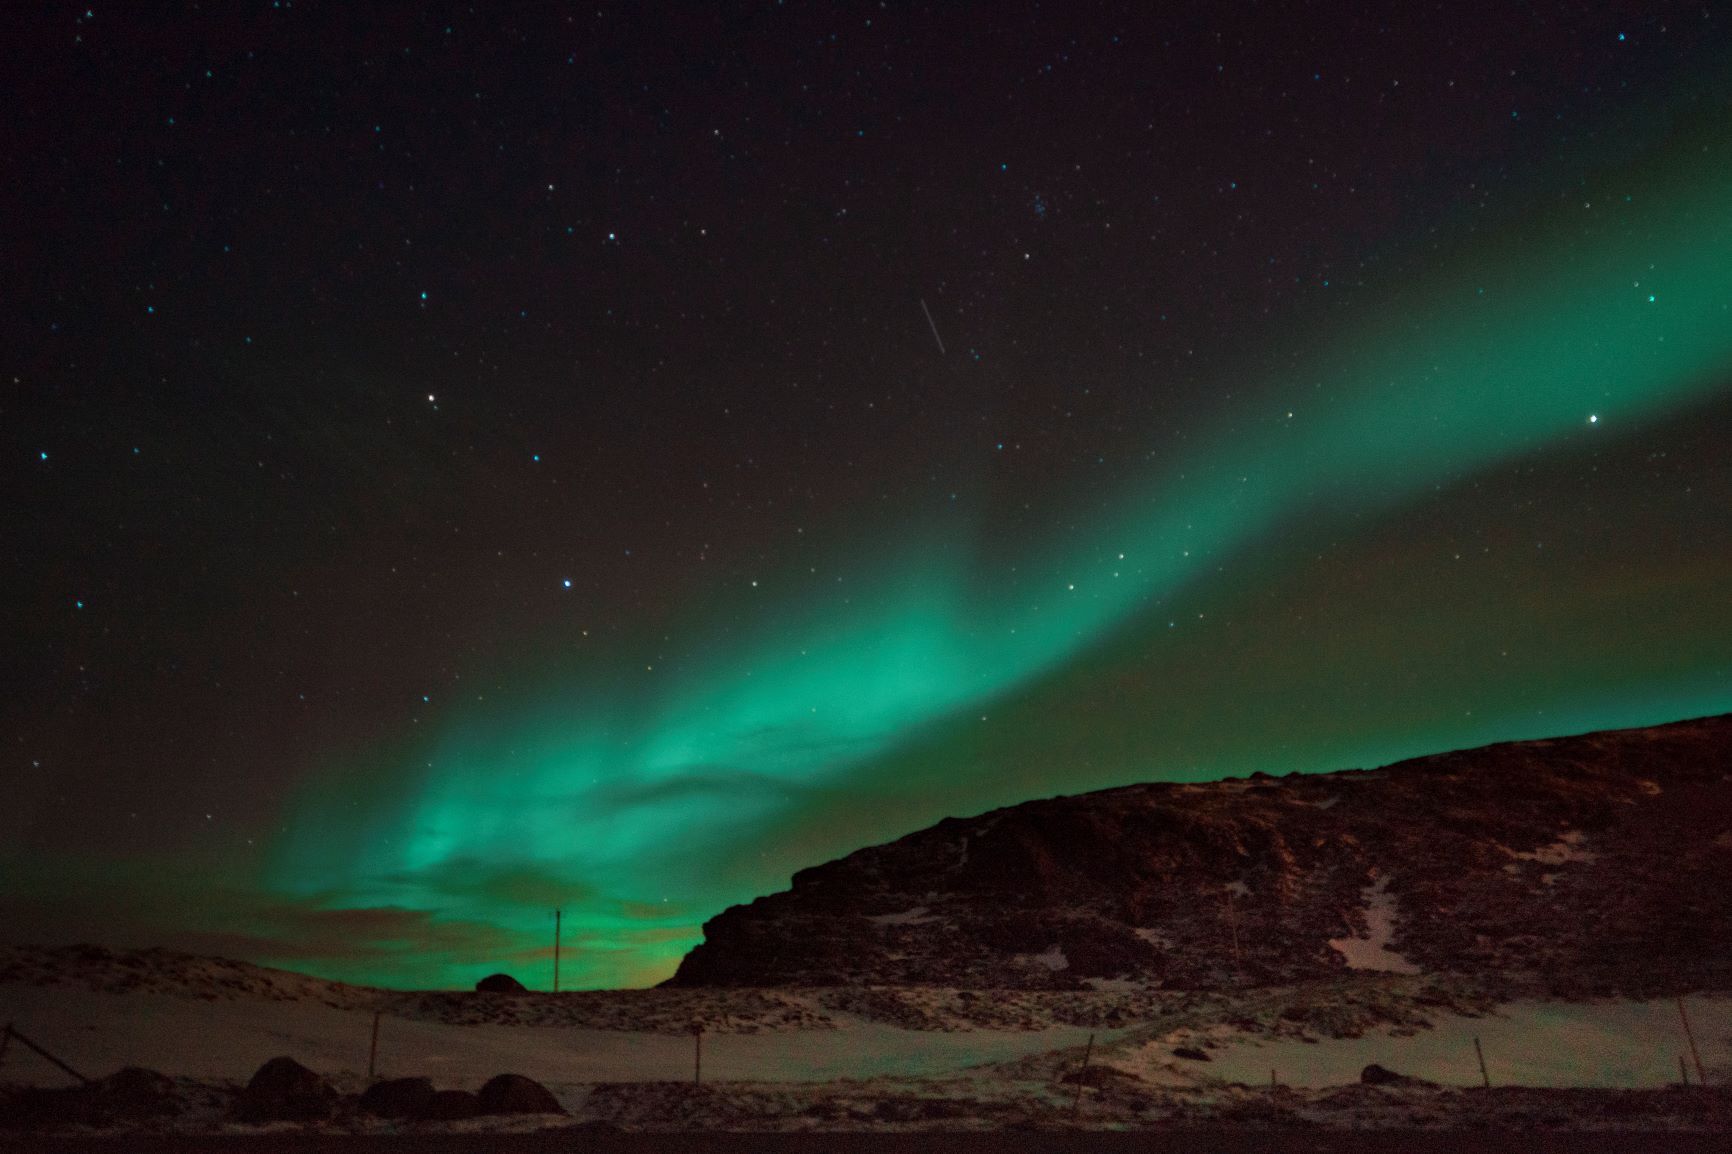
point(466, 463)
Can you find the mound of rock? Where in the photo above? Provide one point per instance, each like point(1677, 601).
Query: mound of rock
point(283, 1090)
point(130, 1095)
point(515, 1094)
point(500, 984)
point(397, 1098)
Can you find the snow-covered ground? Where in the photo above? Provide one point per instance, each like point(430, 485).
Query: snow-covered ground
point(98, 1033)
point(1621, 1044)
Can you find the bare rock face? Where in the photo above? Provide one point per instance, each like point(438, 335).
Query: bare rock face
point(1576, 866)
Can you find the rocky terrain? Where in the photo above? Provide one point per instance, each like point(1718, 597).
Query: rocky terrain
point(1573, 867)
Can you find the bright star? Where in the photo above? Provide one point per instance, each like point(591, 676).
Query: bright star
point(1593, 418)
point(568, 582)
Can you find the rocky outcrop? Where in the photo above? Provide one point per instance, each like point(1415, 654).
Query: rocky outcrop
point(500, 984)
point(1580, 865)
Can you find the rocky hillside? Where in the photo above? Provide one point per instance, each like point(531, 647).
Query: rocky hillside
point(1575, 866)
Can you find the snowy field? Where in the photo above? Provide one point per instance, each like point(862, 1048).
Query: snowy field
point(98, 1033)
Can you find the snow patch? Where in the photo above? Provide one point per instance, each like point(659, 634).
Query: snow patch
point(1326, 802)
point(1155, 938)
point(1372, 951)
point(1568, 848)
point(1052, 958)
point(914, 917)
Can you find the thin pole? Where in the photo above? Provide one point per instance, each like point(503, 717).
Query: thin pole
point(1088, 1052)
point(1483, 1075)
point(1683, 1074)
point(373, 1047)
point(556, 951)
point(697, 1055)
point(27, 1042)
point(1233, 923)
point(1690, 1036)
point(6, 1041)
point(1272, 1082)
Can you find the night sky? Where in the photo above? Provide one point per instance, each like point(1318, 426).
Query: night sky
point(466, 463)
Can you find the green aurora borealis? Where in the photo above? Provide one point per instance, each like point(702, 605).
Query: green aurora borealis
point(1282, 594)
point(464, 464)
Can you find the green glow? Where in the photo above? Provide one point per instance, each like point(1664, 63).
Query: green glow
point(807, 719)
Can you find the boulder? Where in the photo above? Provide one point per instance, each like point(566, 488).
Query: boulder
point(450, 1106)
point(1375, 1075)
point(515, 1094)
point(1191, 1053)
point(283, 1090)
point(397, 1098)
point(500, 984)
point(135, 1092)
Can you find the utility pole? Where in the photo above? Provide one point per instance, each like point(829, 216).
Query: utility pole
point(556, 951)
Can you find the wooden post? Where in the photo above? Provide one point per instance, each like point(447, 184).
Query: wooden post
point(1683, 1074)
point(1233, 924)
point(6, 1042)
point(1483, 1075)
point(373, 1048)
point(1272, 1082)
point(1088, 1052)
point(697, 1055)
point(556, 951)
point(1690, 1036)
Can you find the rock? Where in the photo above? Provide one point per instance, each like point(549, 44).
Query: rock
point(500, 984)
point(1375, 1075)
point(450, 1106)
point(1192, 1054)
point(135, 1093)
point(283, 1090)
point(515, 1094)
point(397, 1098)
point(1581, 858)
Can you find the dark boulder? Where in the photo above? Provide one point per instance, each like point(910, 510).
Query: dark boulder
point(500, 984)
point(515, 1094)
point(1375, 1075)
point(283, 1090)
point(450, 1106)
point(136, 1093)
point(397, 1098)
point(1191, 1053)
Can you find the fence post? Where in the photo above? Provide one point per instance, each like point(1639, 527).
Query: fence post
point(1076, 1103)
point(1485, 1077)
point(1683, 1074)
point(697, 1055)
point(373, 1048)
point(1690, 1036)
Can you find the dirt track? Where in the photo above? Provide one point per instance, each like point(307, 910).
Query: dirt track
point(999, 1142)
